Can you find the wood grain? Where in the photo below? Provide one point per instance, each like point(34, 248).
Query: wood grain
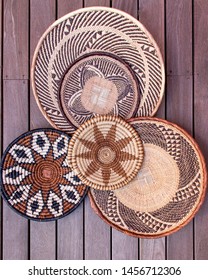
point(179, 97)
point(97, 236)
point(16, 39)
point(129, 6)
point(152, 15)
point(179, 37)
point(201, 113)
point(65, 6)
point(42, 235)
point(15, 122)
point(1, 114)
point(103, 3)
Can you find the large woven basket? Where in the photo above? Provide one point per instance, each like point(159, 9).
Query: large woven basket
point(88, 63)
point(168, 189)
point(105, 152)
point(35, 178)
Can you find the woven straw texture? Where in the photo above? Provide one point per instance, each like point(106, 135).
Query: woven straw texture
point(168, 189)
point(84, 32)
point(106, 152)
point(35, 178)
point(99, 84)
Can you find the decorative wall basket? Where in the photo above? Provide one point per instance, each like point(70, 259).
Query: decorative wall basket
point(87, 63)
point(105, 152)
point(36, 180)
point(168, 189)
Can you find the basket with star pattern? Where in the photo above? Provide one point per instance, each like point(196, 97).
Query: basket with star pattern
point(105, 152)
point(36, 180)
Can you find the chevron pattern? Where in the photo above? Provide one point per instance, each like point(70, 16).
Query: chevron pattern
point(89, 31)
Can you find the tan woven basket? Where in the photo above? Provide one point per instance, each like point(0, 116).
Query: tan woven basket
point(168, 189)
point(79, 35)
point(105, 152)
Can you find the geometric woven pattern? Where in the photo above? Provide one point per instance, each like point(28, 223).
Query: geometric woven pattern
point(86, 32)
point(163, 197)
point(99, 84)
point(105, 152)
point(36, 180)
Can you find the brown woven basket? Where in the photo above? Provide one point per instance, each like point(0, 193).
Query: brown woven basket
point(35, 178)
point(70, 44)
point(168, 190)
point(105, 152)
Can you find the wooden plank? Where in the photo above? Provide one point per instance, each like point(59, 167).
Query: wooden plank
point(42, 235)
point(72, 225)
point(152, 14)
point(103, 3)
point(97, 236)
point(96, 233)
point(15, 111)
point(129, 248)
point(65, 6)
point(179, 37)
point(201, 114)
point(1, 134)
point(179, 97)
point(16, 39)
point(129, 6)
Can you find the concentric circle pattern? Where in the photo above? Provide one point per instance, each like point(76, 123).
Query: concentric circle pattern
point(35, 178)
point(168, 189)
point(105, 152)
point(83, 33)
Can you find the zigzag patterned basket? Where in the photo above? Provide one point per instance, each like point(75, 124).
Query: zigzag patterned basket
point(87, 63)
point(168, 190)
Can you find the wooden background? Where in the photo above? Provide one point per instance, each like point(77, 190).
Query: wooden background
point(180, 29)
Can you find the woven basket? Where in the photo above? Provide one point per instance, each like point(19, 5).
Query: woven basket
point(105, 152)
point(87, 63)
point(36, 180)
point(168, 189)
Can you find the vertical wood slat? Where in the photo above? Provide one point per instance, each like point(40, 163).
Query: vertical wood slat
point(179, 97)
point(152, 15)
point(1, 120)
point(42, 235)
point(129, 6)
point(15, 111)
point(97, 233)
point(70, 230)
point(66, 6)
point(89, 3)
point(129, 248)
point(16, 39)
point(201, 114)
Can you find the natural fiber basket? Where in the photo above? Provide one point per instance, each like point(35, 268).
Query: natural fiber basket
point(168, 189)
point(35, 178)
point(88, 63)
point(105, 152)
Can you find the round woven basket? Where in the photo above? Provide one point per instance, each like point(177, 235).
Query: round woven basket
point(88, 63)
point(105, 152)
point(98, 84)
point(168, 189)
point(35, 178)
